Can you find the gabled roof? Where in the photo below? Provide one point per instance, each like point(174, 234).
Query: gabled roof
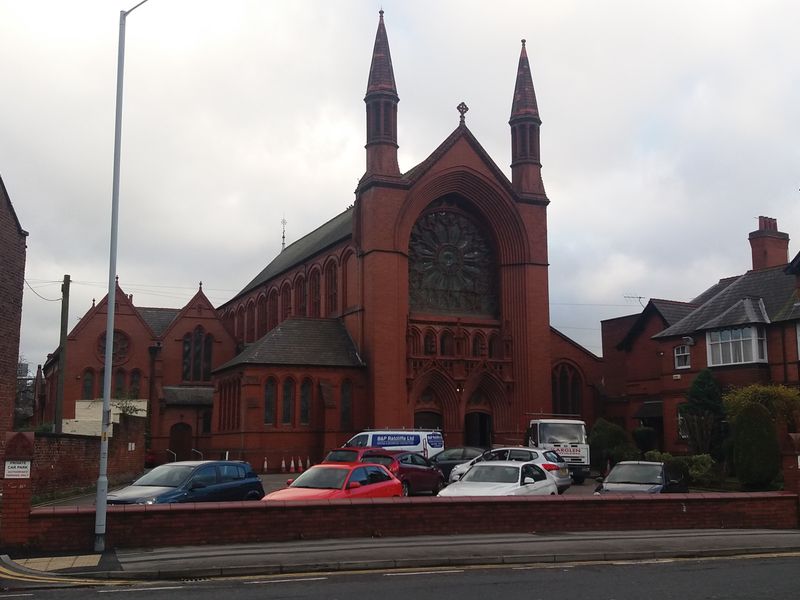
point(339, 228)
point(714, 290)
point(761, 296)
point(669, 311)
point(324, 343)
point(462, 131)
point(158, 319)
point(591, 355)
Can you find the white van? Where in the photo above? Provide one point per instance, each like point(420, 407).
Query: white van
point(428, 442)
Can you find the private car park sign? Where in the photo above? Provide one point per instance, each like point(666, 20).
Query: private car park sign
point(18, 469)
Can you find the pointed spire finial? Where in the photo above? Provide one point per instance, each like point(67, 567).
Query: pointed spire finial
point(116, 279)
point(283, 233)
point(201, 286)
point(524, 103)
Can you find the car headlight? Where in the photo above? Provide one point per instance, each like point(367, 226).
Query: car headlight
point(149, 501)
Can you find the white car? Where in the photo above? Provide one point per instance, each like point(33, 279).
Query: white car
point(503, 478)
point(547, 459)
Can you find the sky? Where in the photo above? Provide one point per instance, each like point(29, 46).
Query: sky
point(668, 128)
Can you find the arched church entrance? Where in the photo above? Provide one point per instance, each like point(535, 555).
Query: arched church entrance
point(426, 419)
point(478, 421)
point(180, 441)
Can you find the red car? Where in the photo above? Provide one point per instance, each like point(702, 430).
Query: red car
point(416, 473)
point(331, 481)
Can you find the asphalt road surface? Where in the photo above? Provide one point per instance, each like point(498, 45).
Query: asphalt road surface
point(744, 578)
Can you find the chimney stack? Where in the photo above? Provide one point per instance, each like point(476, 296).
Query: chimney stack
point(769, 246)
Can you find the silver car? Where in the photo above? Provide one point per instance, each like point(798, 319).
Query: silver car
point(549, 460)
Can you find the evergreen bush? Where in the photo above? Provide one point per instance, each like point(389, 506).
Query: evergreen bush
point(755, 447)
point(609, 441)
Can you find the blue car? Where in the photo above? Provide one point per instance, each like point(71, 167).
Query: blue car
point(192, 481)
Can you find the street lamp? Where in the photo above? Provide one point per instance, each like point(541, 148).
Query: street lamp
point(102, 479)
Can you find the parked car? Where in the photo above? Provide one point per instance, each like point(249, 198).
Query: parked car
point(348, 455)
point(415, 472)
point(503, 478)
point(455, 456)
point(513, 453)
point(192, 481)
point(641, 477)
point(552, 462)
point(329, 481)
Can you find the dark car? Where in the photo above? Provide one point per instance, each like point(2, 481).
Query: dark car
point(192, 481)
point(417, 473)
point(641, 477)
point(451, 457)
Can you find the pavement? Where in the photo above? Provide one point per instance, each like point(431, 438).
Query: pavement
point(314, 556)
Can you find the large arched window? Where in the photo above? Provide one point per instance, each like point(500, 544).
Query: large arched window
point(495, 347)
point(119, 383)
point(250, 318)
point(261, 317)
point(270, 400)
point(313, 292)
point(430, 343)
point(272, 310)
point(447, 344)
point(286, 302)
point(300, 297)
point(478, 346)
point(287, 412)
point(452, 267)
point(331, 290)
point(197, 349)
point(87, 385)
point(305, 401)
point(136, 383)
point(567, 390)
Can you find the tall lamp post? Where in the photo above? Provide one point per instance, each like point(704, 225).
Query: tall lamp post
point(102, 480)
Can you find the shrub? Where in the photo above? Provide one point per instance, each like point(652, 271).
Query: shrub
point(782, 403)
point(609, 441)
point(755, 447)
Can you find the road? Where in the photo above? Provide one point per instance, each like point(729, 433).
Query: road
point(744, 578)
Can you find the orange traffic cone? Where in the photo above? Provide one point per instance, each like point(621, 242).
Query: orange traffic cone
point(308, 462)
point(299, 465)
point(283, 465)
point(291, 466)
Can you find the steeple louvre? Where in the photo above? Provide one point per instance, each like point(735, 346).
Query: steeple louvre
point(526, 166)
point(381, 101)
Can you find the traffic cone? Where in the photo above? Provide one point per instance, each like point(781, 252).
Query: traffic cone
point(283, 465)
point(299, 465)
point(308, 462)
point(291, 466)
point(265, 465)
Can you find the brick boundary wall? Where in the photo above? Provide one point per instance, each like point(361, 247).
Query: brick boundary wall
point(61, 529)
point(65, 463)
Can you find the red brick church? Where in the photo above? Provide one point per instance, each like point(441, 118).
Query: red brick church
point(423, 304)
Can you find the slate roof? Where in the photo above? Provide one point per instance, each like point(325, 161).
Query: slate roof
point(302, 341)
point(334, 231)
point(188, 396)
point(672, 310)
point(763, 296)
point(158, 319)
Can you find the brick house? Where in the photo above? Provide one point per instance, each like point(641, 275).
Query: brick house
point(12, 278)
point(745, 328)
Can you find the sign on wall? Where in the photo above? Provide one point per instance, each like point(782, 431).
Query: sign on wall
point(18, 469)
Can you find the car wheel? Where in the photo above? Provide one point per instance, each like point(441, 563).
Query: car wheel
point(406, 489)
point(253, 495)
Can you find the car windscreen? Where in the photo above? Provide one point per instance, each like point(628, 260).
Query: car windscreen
point(165, 476)
point(641, 474)
point(486, 473)
point(322, 479)
point(562, 433)
point(342, 456)
point(380, 459)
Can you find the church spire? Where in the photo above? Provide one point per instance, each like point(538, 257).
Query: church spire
point(526, 166)
point(381, 101)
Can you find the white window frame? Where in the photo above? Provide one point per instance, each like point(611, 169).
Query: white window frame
point(736, 346)
point(682, 353)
